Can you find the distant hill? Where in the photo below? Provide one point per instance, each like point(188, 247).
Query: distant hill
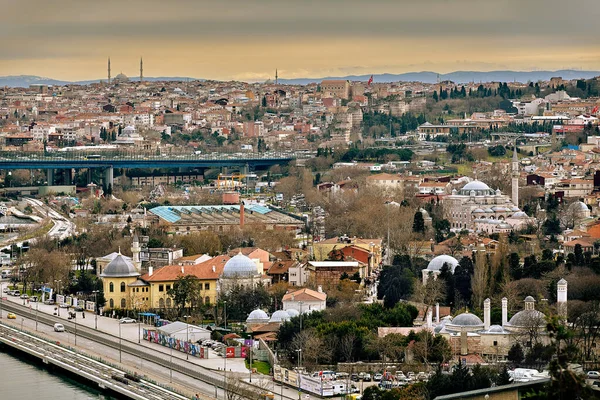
point(26, 80)
point(458, 76)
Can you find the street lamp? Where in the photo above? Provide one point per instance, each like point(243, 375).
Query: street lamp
point(75, 318)
point(57, 284)
point(301, 304)
point(119, 341)
point(299, 351)
point(1, 296)
point(95, 308)
point(187, 337)
point(225, 313)
point(37, 307)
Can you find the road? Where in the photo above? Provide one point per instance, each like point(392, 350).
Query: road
point(62, 229)
point(148, 358)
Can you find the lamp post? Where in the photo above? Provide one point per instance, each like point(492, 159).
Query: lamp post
point(225, 313)
point(37, 307)
point(1, 296)
point(57, 284)
point(299, 351)
point(171, 363)
point(119, 341)
point(75, 314)
point(187, 336)
point(301, 304)
point(95, 308)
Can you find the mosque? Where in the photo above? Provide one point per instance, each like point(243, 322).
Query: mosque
point(469, 335)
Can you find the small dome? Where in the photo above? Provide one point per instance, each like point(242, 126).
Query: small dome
point(496, 329)
point(279, 316)
point(525, 318)
point(239, 266)
point(467, 319)
point(437, 263)
point(562, 281)
point(489, 210)
point(529, 298)
point(293, 312)
point(579, 206)
point(520, 214)
point(119, 267)
point(478, 211)
point(258, 315)
point(121, 78)
point(504, 225)
point(515, 209)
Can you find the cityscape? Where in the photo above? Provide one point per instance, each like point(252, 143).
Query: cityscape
point(259, 209)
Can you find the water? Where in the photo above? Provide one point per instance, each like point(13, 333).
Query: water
point(24, 379)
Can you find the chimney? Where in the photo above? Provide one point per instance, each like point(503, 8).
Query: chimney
point(504, 311)
point(214, 269)
point(182, 270)
point(242, 214)
point(437, 313)
point(429, 318)
point(320, 289)
point(150, 271)
point(464, 350)
point(486, 314)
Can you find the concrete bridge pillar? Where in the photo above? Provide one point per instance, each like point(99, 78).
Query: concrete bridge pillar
point(224, 170)
point(89, 175)
point(50, 177)
point(68, 173)
point(245, 169)
point(108, 177)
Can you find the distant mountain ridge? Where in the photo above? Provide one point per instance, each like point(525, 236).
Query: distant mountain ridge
point(459, 76)
point(423, 76)
point(26, 80)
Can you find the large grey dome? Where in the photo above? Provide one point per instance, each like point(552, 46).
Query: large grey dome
point(119, 267)
point(258, 316)
point(467, 319)
point(528, 318)
point(239, 266)
point(437, 263)
point(480, 189)
point(578, 206)
point(279, 316)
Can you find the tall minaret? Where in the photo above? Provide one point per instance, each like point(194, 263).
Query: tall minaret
point(515, 177)
point(561, 298)
point(135, 252)
point(109, 70)
point(141, 70)
point(276, 77)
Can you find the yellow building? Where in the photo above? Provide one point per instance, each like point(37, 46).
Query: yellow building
point(120, 279)
point(163, 279)
point(322, 249)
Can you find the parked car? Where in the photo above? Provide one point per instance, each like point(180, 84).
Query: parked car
point(64, 305)
point(354, 377)
point(367, 377)
point(24, 296)
point(11, 316)
point(593, 375)
point(377, 377)
point(127, 320)
point(59, 328)
point(33, 299)
point(361, 376)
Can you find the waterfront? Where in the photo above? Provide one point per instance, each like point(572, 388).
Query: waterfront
point(24, 379)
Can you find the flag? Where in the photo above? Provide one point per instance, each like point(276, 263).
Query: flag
point(370, 80)
point(595, 110)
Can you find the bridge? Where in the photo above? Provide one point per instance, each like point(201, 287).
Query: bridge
point(130, 159)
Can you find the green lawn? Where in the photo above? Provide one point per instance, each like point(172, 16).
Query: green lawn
point(262, 367)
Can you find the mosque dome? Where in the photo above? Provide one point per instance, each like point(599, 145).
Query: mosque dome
point(293, 312)
point(525, 318)
point(467, 319)
point(496, 329)
point(478, 188)
point(279, 316)
point(578, 206)
point(121, 78)
point(514, 208)
point(520, 214)
point(257, 315)
point(438, 262)
point(120, 267)
point(478, 211)
point(239, 266)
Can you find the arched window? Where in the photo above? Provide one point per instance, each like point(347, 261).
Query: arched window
point(168, 302)
point(161, 303)
point(123, 303)
point(111, 287)
point(112, 302)
point(122, 287)
point(207, 300)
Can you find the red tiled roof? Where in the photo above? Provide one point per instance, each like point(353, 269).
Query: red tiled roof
point(204, 270)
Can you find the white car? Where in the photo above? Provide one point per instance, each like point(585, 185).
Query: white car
point(593, 375)
point(127, 320)
point(59, 328)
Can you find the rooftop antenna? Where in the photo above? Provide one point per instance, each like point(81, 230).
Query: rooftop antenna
point(276, 77)
point(109, 70)
point(141, 69)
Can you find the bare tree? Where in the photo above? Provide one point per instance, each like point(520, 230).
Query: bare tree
point(346, 346)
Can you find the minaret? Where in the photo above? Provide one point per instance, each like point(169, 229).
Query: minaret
point(515, 177)
point(504, 311)
point(276, 77)
point(486, 313)
point(561, 298)
point(135, 251)
point(141, 69)
point(109, 70)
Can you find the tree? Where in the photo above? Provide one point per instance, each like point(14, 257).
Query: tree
point(200, 243)
point(185, 293)
point(418, 223)
point(515, 354)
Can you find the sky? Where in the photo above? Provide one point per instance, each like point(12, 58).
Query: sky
point(248, 40)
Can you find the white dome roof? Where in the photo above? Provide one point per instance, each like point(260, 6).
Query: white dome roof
point(120, 267)
point(437, 263)
point(293, 312)
point(258, 316)
point(476, 185)
point(466, 319)
point(527, 318)
point(279, 316)
point(478, 210)
point(520, 214)
point(578, 206)
point(239, 266)
point(496, 329)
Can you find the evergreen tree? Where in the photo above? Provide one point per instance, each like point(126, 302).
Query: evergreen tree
point(418, 223)
point(435, 96)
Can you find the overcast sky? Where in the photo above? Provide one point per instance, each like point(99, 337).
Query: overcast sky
point(248, 40)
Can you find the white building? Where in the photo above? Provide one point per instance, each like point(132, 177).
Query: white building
point(305, 300)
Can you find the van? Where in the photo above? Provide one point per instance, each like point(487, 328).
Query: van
point(59, 328)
